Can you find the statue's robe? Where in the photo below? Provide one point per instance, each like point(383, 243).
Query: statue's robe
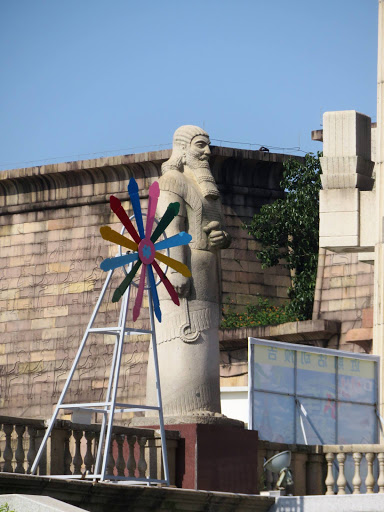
point(187, 337)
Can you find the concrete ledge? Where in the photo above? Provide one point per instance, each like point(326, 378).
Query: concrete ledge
point(347, 503)
point(309, 332)
point(99, 497)
point(25, 502)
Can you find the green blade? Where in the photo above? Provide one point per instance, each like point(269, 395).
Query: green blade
point(167, 218)
point(120, 290)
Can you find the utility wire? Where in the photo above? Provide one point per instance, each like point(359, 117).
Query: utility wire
point(251, 144)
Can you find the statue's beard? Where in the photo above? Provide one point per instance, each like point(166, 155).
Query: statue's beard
point(201, 170)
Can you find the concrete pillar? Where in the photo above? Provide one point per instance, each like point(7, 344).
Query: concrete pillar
point(378, 310)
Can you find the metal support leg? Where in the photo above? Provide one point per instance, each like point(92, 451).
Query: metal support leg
point(110, 383)
point(112, 406)
point(70, 376)
point(158, 389)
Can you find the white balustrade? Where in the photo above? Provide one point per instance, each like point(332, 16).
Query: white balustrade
point(335, 457)
point(75, 447)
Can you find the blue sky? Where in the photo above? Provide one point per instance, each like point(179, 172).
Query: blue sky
point(87, 78)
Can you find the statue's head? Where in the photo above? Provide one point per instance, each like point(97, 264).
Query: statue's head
point(191, 149)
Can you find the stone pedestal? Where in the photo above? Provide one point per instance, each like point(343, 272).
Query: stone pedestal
point(216, 457)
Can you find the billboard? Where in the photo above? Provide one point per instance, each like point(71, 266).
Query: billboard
point(310, 395)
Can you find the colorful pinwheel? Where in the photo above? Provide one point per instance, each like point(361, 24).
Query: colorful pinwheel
point(145, 247)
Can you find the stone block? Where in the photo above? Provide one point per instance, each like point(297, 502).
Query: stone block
point(364, 279)
point(35, 227)
point(341, 282)
point(346, 133)
point(42, 323)
point(367, 317)
point(367, 220)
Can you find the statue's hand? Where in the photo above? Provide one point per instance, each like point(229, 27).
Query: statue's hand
point(181, 284)
point(217, 238)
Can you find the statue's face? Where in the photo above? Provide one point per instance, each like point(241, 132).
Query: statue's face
point(199, 149)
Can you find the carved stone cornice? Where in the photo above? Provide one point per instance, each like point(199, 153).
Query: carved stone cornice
point(92, 181)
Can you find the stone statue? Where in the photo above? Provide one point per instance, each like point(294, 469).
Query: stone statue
point(187, 337)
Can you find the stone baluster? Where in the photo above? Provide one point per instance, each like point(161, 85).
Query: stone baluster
point(19, 454)
point(8, 453)
point(356, 481)
point(370, 480)
point(31, 455)
point(341, 480)
point(131, 463)
point(67, 453)
point(380, 480)
point(142, 465)
point(268, 474)
point(77, 459)
point(330, 481)
point(111, 460)
point(89, 459)
point(120, 462)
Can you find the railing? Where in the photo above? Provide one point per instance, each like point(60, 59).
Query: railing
point(72, 447)
point(328, 469)
point(307, 466)
point(371, 476)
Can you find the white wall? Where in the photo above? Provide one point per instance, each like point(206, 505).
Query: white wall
point(234, 402)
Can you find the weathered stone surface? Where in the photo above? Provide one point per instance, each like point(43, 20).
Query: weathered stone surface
point(344, 292)
point(98, 497)
point(188, 337)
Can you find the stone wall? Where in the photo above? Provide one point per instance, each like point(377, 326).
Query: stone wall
point(344, 293)
point(50, 251)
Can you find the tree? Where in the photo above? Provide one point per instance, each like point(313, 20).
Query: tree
point(288, 231)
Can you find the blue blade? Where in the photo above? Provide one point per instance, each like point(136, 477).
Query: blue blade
point(119, 261)
point(155, 298)
point(133, 190)
point(182, 238)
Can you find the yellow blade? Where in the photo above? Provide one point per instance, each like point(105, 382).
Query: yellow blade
point(113, 236)
point(176, 265)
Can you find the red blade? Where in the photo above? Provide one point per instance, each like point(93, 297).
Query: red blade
point(140, 292)
point(172, 292)
point(124, 219)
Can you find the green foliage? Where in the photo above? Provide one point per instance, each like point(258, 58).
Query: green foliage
point(5, 508)
point(261, 313)
point(288, 231)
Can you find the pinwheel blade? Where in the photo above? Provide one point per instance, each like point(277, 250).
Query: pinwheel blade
point(154, 192)
point(118, 261)
point(167, 218)
point(113, 236)
point(155, 298)
point(124, 219)
point(170, 289)
point(120, 290)
point(176, 265)
point(133, 190)
point(182, 238)
point(140, 293)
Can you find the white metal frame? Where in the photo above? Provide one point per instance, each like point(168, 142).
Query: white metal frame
point(110, 406)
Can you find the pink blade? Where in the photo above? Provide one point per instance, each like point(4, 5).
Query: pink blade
point(154, 192)
point(172, 292)
point(124, 219)
point(140, 293)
